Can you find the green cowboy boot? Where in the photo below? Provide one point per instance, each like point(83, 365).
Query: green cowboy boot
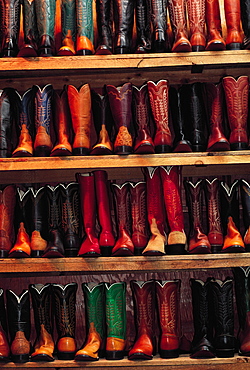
point(45, 13)
point(85, 28)
point(29, 46)
point(116, 320)
point(68, 28)
point(94, 297)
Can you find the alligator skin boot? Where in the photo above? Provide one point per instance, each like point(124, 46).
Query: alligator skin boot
point(215, 232)
point(120, 99)
point(156, 212)
point(94, 346)
point(168, 307)
point(215, 40)
point(159, 102)
point(7, 211)
point(242, 286)
point(141, 114)
point(42, 307)
point(29, 46)
point(43, 143)
point(4, 342)
point(171, 183)
point(229, 197)
point(124, 245)
point(144, 316)
point(245, 202)
point(90, 246)
point(103, 196)
point(223, 316)
point(217, 140)
point(160, 42)
point(104, 21)
point(10, 26)
point(18, 308)
point(202, 346)
point(245, 21)
point(64, 299)
point(234, 38)
point(116, 320)
point(68, 14)
point(84, 28)
point(197, 24)
point(45, 16)
point(62, 125)
point(198, 240)
point(143, 26)
point(80, 108)
point(103, 122)
point(123, 25)
point(177, 12)
point(236, 96)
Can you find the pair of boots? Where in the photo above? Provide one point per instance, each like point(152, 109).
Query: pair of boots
point(213, 318)
point(145, 295)
point(105, 305)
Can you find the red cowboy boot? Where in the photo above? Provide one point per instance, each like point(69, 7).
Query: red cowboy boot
point(236, 95)
point(141, 109)
point(124, 245)
point(171, 183)
point(106, 237)
point(196, 17)
point(159, 101)
point(144, 314)
point(90, 246)
point(217, 140)
point(156, 213)
point(233, 21)
point(7, 207)
point(168, 304)
point(215, 40)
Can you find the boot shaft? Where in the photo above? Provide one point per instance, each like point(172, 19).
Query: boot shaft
point(104, 24)
point(194, 198)
point(245, 201)
point(143, 25)
point(242, 285)
point(229, 197)
point(68, 19)
point(3, 316)
point(30, 23)
point(88, 199)
point(45, 16)
point(122, 206)
point(39, 210)
point(10, 11)
point(123, 21)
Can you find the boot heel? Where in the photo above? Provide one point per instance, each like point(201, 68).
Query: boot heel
point(66, 355)
point(114, 355)
point(234, 46)
point(238, 146)
point(106, 251)
point(163, 149)
point(169, 353)
point(80, 151)
point(198, 148)
point(36, 253)
point(224, 353)
point(175, 249)
point(123, 150)
point(20, 358)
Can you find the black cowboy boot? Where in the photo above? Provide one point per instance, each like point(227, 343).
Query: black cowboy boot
point(123, 21)
point(4, 343)
point(160, 42)
point(245, 201)
point(143, 26)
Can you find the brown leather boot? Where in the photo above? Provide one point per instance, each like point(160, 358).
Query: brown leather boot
point(144, 315)
point(196, 16)
point(120, 99)
point(233, 20)
point(159, 101)
point(156, 213)
point(80, 108)
point(7, 211)
point(236, 95)
point(168, 307)
point(198, 240)
point(177, 12)
point(215, 40)
point(217, 140)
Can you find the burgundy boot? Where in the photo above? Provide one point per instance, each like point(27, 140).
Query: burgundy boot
point(7, 207)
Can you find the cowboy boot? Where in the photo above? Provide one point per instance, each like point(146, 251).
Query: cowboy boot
point(80, 108)
point(71, 218)
point(177, 12)
point(198, 240)
point(30, 42)
point(103, 194)
point(241, 283)
point(42, 308)
point(10, 25)
point(217, 140)
point(236, 95)
point(156, 212)
point(65, 315)
point(168, 307)
point(45, 15)
point(245, 201)
point(229, 196)
point(116, 320)
point(215, 40)
point(171, 183)
point(7, 211)
point(120, 99)
point(4, 343)
point(103, 122)
point(68, 13)
point(223, 316)
point(196, 17)
point(90, 246)
point(181, 138)
point(123, 25)
point(245, 21)
point(94, 298)
point(160, 42)
point(144, 315)
point(63, 125)
point(202, 346)
point(233, 20)
point(84, 28)
point(43, 121)
point(124, 245)
point(18, 308)
point(143, 26)
point(104, 27)
point(159, 102)
point(141, 113)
